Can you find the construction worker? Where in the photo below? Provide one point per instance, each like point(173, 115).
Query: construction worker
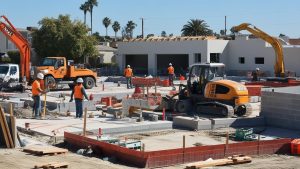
point(255, 75)
point(128, 74)
point(171, 74)
point(36, 93)
point(79, 94)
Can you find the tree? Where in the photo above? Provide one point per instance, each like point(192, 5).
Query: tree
point(116, 27)
point(92, 3)
point(222, 32)
point(163, 34)
point(106, 22)
point(63, 37)
point(85, 8)
point(196, 27)
point(129, 28)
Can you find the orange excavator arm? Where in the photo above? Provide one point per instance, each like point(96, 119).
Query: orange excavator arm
point(279, 69)
point(21, 43)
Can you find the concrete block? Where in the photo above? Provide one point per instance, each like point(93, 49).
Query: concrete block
point(191, 123)
point(238, 122)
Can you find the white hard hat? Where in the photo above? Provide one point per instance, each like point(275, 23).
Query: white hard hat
point(79, 80)
point(170, 64)
point(40, 76)
point(128, 65)
point(257, 68)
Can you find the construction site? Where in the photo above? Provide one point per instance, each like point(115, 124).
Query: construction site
point(59, 114)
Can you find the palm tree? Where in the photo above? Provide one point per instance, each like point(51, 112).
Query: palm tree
point(85, 8)
point(116, 27)
point(92, 3)
point(196, 27)
point(106, 22)
point(130, 27)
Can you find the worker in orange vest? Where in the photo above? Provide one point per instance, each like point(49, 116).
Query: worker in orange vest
point(79, 94)
point(128, 74)
point(171, 74)
point(37, 91)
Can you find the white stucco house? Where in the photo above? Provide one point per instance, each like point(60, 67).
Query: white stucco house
point(106, 54)
point(244, 54)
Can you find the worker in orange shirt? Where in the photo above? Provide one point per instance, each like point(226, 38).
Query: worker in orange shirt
point(36, 93)
point(128, 74)
point(171, 74)
point(79, 93)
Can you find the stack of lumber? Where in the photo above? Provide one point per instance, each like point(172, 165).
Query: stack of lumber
point(52, 165)
point(44, 150)
point(232, 160)
point(8, 132)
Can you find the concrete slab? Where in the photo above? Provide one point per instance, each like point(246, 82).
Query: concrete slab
point(108, 125)
point(238, 122)
point(192, 123)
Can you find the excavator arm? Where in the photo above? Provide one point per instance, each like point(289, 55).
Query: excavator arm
point(21, 43)
point(279, 69)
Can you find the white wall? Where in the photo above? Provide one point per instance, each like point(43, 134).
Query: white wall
point(152, 49)
point(258, 48)
point(106, 57)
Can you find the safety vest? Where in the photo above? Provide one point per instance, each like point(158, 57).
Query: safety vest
point(128, 72)
point(171, 70)
point(77, 92)
point(35, 88)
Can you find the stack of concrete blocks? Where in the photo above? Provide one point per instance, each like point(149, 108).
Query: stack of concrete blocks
point(281, 108)
point(138, 103)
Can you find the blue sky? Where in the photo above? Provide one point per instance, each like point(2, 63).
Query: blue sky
point(272, 16)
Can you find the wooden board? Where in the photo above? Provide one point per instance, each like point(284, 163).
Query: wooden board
point(43, 150)
point(52, 165)
point(232, 160)
point(6, 130)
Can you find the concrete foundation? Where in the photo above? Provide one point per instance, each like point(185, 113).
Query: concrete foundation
point(191, 123)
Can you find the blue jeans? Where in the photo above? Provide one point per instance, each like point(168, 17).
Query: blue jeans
point(79, 110)
point(37, 106)
point(171, 79)
point(129, 82)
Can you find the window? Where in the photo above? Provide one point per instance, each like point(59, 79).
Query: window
point(197, 57)
point(214, 57)
point(259, 60)
point(242, 60)
point(13, 70)
point(221, 89)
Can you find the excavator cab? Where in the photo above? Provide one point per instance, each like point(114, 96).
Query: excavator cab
point(201, 74)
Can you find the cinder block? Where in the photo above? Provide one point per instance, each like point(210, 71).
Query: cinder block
point(238, 122)
point(191, 123)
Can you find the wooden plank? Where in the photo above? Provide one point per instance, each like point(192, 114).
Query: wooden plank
point(220, 162)
point(52, 165)
point(43, 150)
point(13, 124)
point(4, 129)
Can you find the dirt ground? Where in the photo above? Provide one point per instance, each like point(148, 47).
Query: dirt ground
point(16, 159)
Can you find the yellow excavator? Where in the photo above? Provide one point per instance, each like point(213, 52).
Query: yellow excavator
point(279, 69)
point(209, 92)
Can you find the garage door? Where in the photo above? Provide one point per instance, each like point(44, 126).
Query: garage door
point(179, 61)
point(139, 63)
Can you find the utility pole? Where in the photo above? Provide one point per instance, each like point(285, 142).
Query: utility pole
point(225, 25)
point(142, 27)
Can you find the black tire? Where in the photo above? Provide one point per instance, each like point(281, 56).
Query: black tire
point(50, 82)
point(89, 83)
point(183, 106)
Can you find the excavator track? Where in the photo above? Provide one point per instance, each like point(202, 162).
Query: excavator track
point(215, 108)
